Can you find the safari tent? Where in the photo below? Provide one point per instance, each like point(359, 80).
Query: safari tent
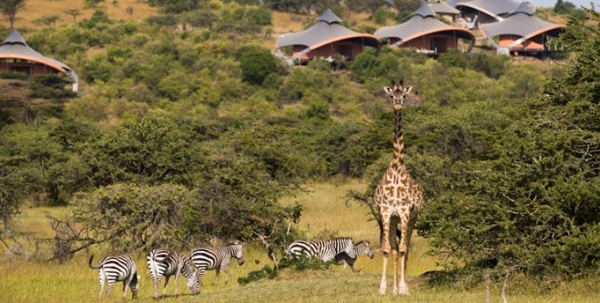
point(424, 33)
point(323, 40)
point(17, 55)
point(521, 32)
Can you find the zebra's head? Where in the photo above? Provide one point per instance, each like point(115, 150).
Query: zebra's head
point(364, 247)
point(135, 285)
point(237, 252)
point(191, 275)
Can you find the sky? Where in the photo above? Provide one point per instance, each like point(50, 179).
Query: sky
point(578, 3)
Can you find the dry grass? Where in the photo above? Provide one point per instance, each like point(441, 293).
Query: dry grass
point(37, 9)
point(324, 208)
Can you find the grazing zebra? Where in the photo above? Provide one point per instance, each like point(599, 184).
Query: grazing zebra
point(360, 248)
point(324, 250)
point(216, 258)
point(166, 263)
point(117, 268)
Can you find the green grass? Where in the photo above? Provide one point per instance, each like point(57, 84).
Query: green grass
point(74, 281)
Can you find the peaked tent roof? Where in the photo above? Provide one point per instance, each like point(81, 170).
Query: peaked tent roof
point(14, 46)
point(440, 7)
point(490, 7)
point(326, 30)
point(522, 23)
point(421, 23)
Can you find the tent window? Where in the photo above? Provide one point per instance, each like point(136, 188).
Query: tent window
point(345, 50)
point(21, 69)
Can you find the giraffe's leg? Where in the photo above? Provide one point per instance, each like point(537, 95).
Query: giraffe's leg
point(385, 248)
point(394, 247)
point(385, 242)
point(395, 260)
point(383, 284)
point(407, 230)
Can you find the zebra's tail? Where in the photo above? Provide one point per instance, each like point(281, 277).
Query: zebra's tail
point(152, 266)
point(90, 263)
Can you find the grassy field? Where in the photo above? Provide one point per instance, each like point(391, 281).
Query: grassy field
point(324, 210)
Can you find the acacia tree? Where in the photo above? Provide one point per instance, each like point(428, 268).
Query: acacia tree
point(10, 8)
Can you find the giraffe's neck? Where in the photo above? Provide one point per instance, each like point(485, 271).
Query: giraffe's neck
point(398, 139)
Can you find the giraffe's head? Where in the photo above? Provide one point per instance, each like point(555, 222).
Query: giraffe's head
point(397, 93)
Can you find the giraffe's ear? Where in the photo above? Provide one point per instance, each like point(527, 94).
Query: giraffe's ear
point(388, 90)
point(407, 90)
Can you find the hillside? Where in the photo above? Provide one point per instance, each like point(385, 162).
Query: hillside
point(37, 9)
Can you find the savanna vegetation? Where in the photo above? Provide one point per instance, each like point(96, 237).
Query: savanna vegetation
point(188, 130)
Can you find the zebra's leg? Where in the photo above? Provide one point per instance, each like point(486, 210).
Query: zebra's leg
point(167, 284)
point(351, 263)
point(125, 287)
point(110, 283)
point(217, 272)
point(101, 283)
point(155, 282)
point(226, 271)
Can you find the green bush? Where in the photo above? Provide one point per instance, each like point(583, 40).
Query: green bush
point(257, 64)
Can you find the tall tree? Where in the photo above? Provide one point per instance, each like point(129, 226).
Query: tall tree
point(10, 8)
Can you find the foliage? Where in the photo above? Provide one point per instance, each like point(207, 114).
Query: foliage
point(257, 64)
point(131, 217)
point(527, 203)
point(13, 188)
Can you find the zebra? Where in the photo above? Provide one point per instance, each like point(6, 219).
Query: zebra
point(166, 263)
point(360, 248)
point(324, 250)
point(117, 268)
point(216, 258)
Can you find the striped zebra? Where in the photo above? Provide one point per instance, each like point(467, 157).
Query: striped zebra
point(117, 268)
point(324, 250)
point(360, 248)
point(166, 263)
point(216, 258)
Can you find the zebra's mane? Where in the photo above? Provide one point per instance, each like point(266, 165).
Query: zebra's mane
point(234, 243)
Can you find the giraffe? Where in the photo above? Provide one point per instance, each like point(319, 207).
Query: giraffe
point(399, 198)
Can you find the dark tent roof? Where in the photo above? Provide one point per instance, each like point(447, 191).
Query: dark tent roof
point(440, 7)
point(453, 3)
point(421, 23)
point(521, 22)
point(14, 46)
point(326, 30)
point(492, 8)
